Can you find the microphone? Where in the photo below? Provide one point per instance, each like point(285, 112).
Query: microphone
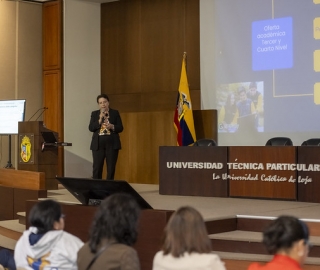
point(44, 109)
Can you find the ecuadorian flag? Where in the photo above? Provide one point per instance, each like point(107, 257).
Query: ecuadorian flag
point(183, 117)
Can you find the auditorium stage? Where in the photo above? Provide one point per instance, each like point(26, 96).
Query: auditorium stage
point(214, 208)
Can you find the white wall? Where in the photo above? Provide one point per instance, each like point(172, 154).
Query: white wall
point(82, 83)
point(20, 62)
point(206, 45)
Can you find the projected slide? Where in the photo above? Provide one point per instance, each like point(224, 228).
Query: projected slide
point(274, 45)
point(11, 112)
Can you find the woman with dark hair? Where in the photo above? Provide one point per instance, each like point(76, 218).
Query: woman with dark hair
point(106, 125)
point(186, 244)
point(45, 245)
point(287, 238)
point(113, 232)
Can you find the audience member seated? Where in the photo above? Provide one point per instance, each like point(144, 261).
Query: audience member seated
point(288, 239)
point(113, 232)
point(186, 244)
point(45, 245)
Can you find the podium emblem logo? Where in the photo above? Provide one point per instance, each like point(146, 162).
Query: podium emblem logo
point(25, 149)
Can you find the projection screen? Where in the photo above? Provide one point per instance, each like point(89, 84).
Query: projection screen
point(260, 68)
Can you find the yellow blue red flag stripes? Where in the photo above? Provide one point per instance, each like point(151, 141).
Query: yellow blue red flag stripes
point(183, 116)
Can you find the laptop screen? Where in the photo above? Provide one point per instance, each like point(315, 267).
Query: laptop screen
point(48, 137)
point(93, 191)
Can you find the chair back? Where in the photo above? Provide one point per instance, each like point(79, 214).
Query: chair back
point(311, 142)
point(279, 141)
point(205, 142)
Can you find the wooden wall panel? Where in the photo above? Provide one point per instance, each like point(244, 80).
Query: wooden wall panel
point(52, 71)
point(169, 28)
point(157, 101)
point(162, 44)
point(53, 117)
point(269, 184)
point(141, 54)
point(125, 102)
point(120, 47)
point(52, 33)
point(52, 99)
point(6, 203)
point(205, 124)
point(143, 133)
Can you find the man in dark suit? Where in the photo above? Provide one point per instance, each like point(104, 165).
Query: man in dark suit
point(106, 125)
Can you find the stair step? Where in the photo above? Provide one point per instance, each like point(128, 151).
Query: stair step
point(22, 218)
point(243, 256)
point(13, 225)
point(238, 236)
point(11, 229)
point(245, 242)
point(247, 236)
point(257, 257)
point(257, 224)
point(7, 242)
point(23, 214)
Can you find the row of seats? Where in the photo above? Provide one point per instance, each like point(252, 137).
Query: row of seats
point(276, 141)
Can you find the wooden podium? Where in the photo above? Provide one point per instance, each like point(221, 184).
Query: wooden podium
point(31, 155)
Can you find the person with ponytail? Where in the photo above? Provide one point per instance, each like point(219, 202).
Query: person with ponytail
point(287, 238)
